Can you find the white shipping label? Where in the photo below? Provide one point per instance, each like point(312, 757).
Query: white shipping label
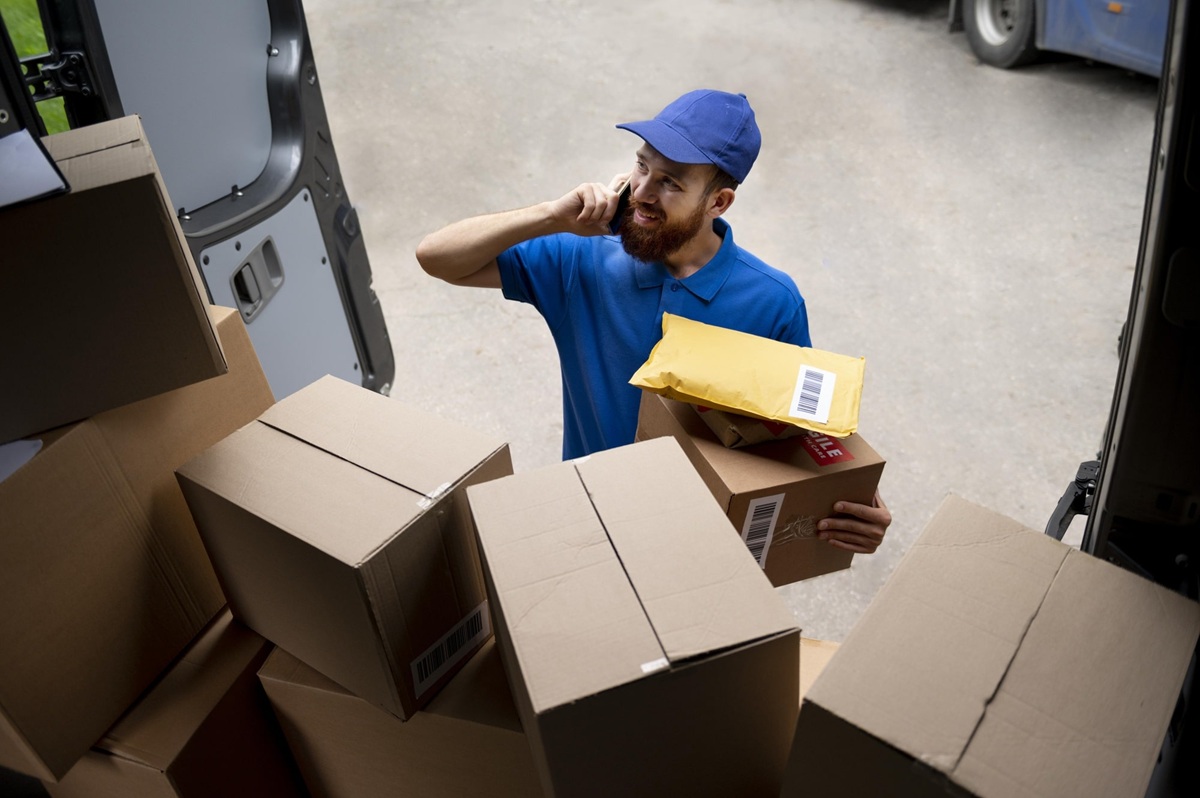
point(454, 645)
point(814, 395)
point(759, 527)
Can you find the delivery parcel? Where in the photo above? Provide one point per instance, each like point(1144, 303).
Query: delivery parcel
point(754, 376)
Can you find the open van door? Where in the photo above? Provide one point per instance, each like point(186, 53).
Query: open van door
point(230, 99)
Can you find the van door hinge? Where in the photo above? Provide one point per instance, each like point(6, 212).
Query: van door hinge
point(55, 74)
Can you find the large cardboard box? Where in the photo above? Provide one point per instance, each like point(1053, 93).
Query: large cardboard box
point(774, 493)
point(105, 579)
point(339, 530)
point(997, 661)
point(205, 729)
point(647, 653)
point(466, 742)
point(101, 300)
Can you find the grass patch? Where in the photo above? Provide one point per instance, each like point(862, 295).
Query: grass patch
point(24, 25)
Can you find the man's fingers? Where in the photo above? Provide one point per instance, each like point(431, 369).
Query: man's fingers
point(597, 204)
point(858, 545)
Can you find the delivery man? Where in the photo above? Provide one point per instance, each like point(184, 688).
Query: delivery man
point(603, 294)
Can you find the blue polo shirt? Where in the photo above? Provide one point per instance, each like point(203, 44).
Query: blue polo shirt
point(605, 309)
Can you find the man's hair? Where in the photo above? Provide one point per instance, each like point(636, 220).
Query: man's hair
point(720, 179)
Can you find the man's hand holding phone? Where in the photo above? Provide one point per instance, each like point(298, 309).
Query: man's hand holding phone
point(592, 209)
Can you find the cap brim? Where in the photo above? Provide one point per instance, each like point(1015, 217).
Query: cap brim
point(667, 141)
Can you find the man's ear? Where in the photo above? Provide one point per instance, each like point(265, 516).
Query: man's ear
point(720, 200)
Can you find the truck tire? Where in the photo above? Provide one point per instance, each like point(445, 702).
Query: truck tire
point(1001, 32)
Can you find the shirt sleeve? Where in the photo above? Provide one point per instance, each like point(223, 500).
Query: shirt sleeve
point(795, 330)
point(540, 272)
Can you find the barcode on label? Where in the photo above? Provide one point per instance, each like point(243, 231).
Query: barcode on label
point(814, 394)
point(454, 645)
point(759, 526)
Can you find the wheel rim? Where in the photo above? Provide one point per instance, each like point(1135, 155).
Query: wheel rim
point(996, 19)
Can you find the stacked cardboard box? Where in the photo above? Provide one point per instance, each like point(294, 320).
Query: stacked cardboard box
point(106, 581)
point(647, 653)
point(338, 526)
point(99, 290)
point(997, 661)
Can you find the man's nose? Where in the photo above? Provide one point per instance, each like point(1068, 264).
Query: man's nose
point(641, 191)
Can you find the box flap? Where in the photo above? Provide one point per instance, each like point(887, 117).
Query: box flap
point(363, 427)
point(1084, 707)
point(157, 728)
point(334, 506)
point(700, 586)
point(575, 623)
point(968, 590)
point(477, 694)
point(92, 138)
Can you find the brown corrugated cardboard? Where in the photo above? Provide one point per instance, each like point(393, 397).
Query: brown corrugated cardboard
point(997, 661)
point(338, 528)
point(205, 729)
point(647, 653)
point(466, 742)
point(774, 493)
point(736, 431)
point(814, 656)
point(106, 580)
point(99, 289)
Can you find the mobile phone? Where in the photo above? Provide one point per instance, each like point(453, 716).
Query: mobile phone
point(614, 224)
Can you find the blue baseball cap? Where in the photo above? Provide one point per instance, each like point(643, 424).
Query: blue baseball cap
point(705, 126)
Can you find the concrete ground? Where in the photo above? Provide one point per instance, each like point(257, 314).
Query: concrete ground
point(971, 232)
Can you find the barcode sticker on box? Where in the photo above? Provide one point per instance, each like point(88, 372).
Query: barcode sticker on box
point(454, 645)
point(759, 526)
point(814, 395)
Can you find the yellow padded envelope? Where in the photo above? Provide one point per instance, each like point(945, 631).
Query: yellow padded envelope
point(754, 376)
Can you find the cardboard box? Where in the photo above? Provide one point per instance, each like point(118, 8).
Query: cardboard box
point(105, 578)
point(99, 291)
point(205, 729)
point(774, 493)
point(997, 661)
point(646, 652)
point(339, 530)
point(467, 741)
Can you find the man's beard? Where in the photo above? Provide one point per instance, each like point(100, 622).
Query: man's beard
point(655, 245)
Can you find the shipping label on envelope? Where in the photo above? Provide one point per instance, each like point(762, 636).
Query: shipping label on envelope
point(754, 376)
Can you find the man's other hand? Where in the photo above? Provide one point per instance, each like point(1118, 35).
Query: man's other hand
point(857, 527)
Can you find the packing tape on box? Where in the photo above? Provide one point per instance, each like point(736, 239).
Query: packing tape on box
point(754, 376)
point(655, 665)
point(798, 527)
point(430, 498)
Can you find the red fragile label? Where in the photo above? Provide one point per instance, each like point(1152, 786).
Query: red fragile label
point(825, 450)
